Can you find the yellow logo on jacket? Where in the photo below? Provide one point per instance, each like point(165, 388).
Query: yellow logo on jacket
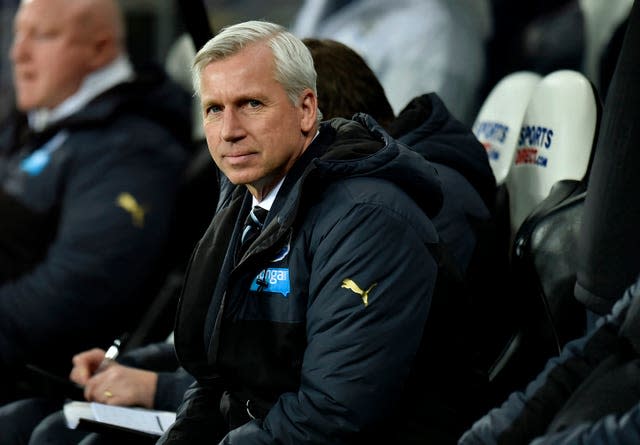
point(348, 283)
point(129, 204)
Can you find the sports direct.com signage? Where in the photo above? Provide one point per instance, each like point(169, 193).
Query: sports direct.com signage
point(533, 145)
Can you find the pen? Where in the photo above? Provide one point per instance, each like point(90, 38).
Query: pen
point(110, 355)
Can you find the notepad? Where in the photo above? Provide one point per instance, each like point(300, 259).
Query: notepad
point(147, 421)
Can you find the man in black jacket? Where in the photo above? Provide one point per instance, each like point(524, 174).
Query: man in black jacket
point(89, 168)
point(324, 328)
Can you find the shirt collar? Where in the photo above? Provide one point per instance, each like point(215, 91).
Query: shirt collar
point(96, 83)
point(267, 201)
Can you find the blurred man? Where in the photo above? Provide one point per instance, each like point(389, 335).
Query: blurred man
point(89, 166)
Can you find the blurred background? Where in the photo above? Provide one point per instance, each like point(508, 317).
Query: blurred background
point(537, 35)
point(153, 25)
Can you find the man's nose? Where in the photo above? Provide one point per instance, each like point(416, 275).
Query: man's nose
point(19, 48)
point(232, 128)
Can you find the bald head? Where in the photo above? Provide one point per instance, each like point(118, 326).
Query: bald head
point(98, 20)
point(99, 16)
point(57, 43)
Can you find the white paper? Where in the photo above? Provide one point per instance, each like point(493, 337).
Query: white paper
point(74, 411)
point(140, 419)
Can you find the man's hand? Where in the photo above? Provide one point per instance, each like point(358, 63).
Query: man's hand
point(121, 385)
point(85, 365)
point(115, 384)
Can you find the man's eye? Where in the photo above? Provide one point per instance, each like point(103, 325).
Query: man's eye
point(212, 109)
point(44, 35)
point(253, 103)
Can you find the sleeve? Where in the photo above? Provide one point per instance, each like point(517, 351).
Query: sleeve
point(612, 429)
point(370, 289)
point(526, 415)
point(173, 381)
point(198, 419)
point(171, 388)
point(156, 357)
point(114, 222)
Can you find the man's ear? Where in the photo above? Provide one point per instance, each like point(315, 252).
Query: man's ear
point(309, 110)
point(103, 50)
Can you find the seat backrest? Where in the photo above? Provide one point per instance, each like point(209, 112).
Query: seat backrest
point(544, 315)
point(556, 140)
point(547, 185)
point(608, 253)
point(497, 125)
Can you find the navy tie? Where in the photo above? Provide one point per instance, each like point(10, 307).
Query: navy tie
point(252, 227)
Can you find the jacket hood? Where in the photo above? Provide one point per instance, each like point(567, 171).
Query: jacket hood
point(348, 148)
point(427, 127)
point(363, 148)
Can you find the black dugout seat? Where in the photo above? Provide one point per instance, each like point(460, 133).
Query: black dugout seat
point(547, 185)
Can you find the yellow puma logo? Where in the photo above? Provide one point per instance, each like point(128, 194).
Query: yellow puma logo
point(129, 204)
point(348, 283)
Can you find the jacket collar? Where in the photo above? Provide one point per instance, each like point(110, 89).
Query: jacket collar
point(96, 83)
